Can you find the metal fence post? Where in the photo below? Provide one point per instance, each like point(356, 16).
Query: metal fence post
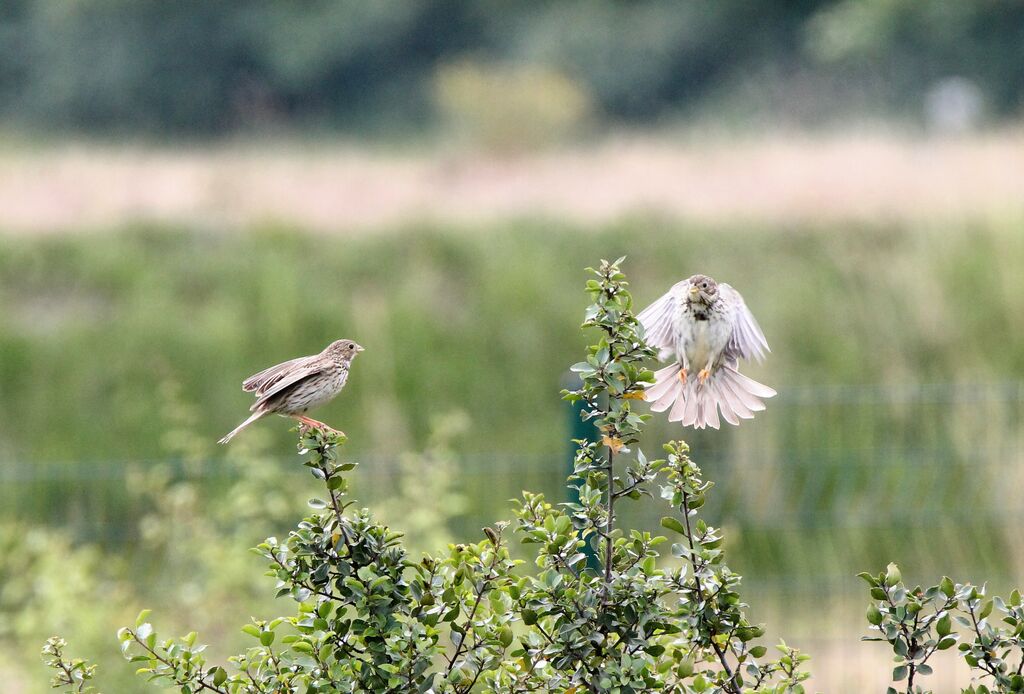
point(578, 429)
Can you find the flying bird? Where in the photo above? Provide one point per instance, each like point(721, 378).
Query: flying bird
point(294, 387)
point(706, 328)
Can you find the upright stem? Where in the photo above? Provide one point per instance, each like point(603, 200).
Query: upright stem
point(335, 502)
point(609, 522)
point(700, 592)
point(912, 669)
point(469, 619)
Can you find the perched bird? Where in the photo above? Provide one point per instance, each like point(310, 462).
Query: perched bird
point(706, 327)
point(295, 387)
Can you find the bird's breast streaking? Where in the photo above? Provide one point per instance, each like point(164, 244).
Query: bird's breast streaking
point(703, 335)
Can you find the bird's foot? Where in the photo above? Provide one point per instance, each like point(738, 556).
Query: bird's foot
point(703, 375)
point(307, 423)
point(682, 374)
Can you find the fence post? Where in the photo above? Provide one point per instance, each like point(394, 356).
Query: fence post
point(578, 429)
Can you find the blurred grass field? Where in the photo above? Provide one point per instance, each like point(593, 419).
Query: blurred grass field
point(896, 434)
point(480, 319)
point(710, 175)
point(190, 192)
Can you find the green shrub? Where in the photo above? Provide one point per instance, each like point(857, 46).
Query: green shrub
point(595, 613)
point(917, 622)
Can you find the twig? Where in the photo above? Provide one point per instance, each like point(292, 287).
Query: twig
point(700, 591)
point(202, 684)
point(609, 522)
point(911, 644)
point(476, 604)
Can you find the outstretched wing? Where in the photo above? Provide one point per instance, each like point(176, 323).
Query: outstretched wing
point(747, 340)
point(268, 378)
point(658, 319)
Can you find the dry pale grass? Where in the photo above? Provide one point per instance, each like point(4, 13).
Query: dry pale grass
point(852, 667)
point(830, 632)
point(331, 187)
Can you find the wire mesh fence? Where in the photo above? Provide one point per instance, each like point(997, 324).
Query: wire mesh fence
point(827, 482)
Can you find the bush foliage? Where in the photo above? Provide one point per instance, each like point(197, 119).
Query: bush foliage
point(597, 611)
point(917, 622)
point(156, 67)
point(601, 609)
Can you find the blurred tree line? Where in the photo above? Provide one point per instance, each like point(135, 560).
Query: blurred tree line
point(194, 66)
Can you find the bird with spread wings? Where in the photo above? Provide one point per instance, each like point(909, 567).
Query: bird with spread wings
point(706, 328)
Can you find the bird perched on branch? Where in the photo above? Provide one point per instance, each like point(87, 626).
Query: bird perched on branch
point(294, 387)
point(706, 327)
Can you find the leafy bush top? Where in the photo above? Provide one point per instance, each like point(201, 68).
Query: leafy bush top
point(596, 612)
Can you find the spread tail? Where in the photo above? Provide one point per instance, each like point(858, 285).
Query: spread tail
point(698, 405)
point(231, 434)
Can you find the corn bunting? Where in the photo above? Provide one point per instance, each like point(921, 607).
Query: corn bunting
point(706, 328)
point(295, 387)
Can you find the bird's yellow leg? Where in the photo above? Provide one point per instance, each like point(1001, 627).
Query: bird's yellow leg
point(703, 375)
point(682, 374)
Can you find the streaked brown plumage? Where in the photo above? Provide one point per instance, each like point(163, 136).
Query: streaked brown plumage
point(294, 387)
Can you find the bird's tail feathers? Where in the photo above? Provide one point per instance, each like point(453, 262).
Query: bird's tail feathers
point(665, 389)
point(231, 434)
point(698, 405)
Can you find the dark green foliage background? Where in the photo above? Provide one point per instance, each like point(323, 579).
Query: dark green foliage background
point(152, 67)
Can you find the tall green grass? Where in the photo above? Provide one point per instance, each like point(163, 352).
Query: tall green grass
point(484, 320)
point(131, 344)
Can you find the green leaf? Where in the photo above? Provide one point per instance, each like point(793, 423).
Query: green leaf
point(672, 523)
point(946, 586)
point(142, 618)
point(874, 615)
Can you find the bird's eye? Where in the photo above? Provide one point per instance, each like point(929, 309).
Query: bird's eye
point(351, 347)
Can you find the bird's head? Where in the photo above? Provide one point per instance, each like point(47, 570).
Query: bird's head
point(702, 289)
point(345, 349)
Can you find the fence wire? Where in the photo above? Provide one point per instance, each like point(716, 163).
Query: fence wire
point(827, 482)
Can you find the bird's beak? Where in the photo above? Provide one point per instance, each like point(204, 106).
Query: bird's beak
point(694, 290)
point(359, 349)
